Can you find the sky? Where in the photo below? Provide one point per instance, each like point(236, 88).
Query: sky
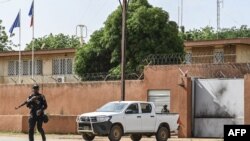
point(62, 16)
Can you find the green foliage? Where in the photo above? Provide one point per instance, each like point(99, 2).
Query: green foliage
point(54, 42)
point(149, 31)
point(209, 33)
point(92, 57)
point(4, 42)
point(234, 32)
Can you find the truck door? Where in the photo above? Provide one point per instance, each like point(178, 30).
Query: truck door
point(132, 118)
point(148, 118)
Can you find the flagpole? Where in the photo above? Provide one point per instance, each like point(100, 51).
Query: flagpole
point(33, 37)
point(19, 71)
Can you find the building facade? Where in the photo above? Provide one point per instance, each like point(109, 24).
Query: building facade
point(50, 66)
point(218, 51)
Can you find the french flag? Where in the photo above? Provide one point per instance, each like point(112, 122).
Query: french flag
point(31, 13)
point(15, 24)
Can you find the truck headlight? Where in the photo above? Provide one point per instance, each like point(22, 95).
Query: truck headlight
point(103, 118)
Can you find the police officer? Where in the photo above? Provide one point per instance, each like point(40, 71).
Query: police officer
point(37, 104)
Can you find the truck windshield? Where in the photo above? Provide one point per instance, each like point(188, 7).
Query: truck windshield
point(112, 107)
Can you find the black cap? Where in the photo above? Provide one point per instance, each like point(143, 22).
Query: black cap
point(165, 105)
point(35, 87)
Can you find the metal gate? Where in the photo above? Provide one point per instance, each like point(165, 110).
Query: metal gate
point(216, 102)
point(159, 98)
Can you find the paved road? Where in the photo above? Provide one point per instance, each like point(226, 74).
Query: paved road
point(24, 137)
point(19, 137)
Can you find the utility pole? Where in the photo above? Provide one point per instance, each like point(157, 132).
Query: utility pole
point(219, 2)
point(178, 14)
point(123, 49)
point(181, 13)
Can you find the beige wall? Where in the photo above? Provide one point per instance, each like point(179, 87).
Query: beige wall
point(56, 124)
point(1, 67)
point(243, 54)
point(69, 98)
point(47, 70)
point(1, 71)
point(11, 123)
point(47, 66)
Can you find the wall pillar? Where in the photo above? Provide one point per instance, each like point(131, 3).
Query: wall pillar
point(247, 99)
point(185, 107)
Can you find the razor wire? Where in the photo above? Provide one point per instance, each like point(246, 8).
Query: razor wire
point(227, 70)
point(189, 58)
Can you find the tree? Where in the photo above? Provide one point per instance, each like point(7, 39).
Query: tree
point(54, 42)
point(4, 42)
point(208, 33)
point(234, 32)
point(149, 32)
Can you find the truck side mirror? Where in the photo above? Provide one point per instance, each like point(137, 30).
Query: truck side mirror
point(129, 111)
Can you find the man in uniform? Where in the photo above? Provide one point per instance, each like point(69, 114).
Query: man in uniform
point(165, 109)
point(37, 104)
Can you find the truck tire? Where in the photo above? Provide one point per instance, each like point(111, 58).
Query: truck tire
point(162, 134)
point(115, 133)
point(135, 137)
point(88, 136)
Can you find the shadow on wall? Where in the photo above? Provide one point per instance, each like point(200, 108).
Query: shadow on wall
point(217, 99)
point(217, 103)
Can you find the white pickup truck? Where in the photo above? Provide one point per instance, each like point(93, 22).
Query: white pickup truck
point(134, 118)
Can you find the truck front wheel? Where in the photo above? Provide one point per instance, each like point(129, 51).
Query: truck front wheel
point(162, 134)
point(88, 136)
point(115, 133)
point(135, 137)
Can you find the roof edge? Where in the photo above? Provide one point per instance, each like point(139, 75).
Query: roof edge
point(217, 42)
point(38, 52)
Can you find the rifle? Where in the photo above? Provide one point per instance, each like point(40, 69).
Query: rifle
point(27, 102)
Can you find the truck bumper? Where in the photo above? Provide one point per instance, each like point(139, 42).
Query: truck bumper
point(98, 128)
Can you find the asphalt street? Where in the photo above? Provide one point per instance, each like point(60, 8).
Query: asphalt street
point(50, 137)
point(24, 137)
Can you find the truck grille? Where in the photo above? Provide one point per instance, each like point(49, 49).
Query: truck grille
point(84, 126)
point(87, 119)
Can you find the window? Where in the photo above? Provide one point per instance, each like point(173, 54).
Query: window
point(112, 107)
point(13, 68)
point(38, 67)
point(62, 66)
point(132, 109)
point(26, 67)
point(188, 58)
point(146, 108)
point(159, 98)
point(218, 56)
